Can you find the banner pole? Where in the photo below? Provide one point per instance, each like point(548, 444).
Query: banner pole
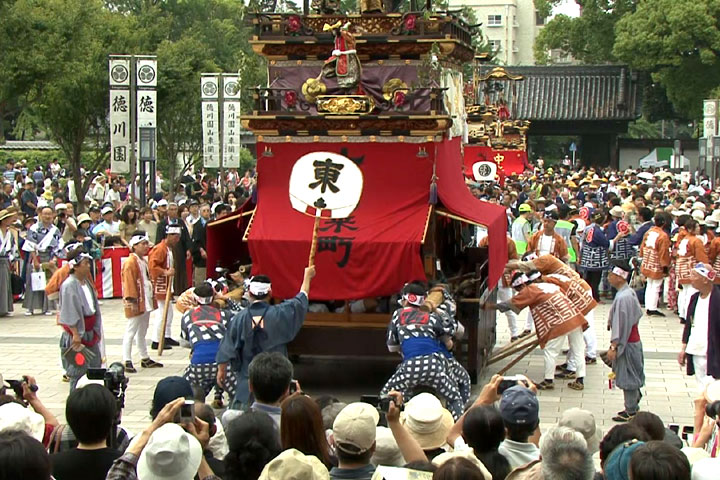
point(168, 296)
point(313, 245)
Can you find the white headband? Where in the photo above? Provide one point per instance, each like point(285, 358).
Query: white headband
point(620, 272)
point(414, 299)
point(530, 257)
point(522, 279)
point(705, 272)
point(259, 289)
point(75, 261)
point(204, 300)
point(135, 239)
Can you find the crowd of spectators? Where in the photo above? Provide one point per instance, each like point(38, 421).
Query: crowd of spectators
point(291, 435)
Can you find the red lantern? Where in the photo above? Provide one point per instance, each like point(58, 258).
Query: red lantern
point(293, 23)
point(290, 98)
point(410, 22)
point(399, 98)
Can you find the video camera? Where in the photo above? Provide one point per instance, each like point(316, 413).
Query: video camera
point(381, 402)
point(116, 382)
point(712, 410)
point(16, 386)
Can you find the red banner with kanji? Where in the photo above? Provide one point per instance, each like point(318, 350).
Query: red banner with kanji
point(507, 161)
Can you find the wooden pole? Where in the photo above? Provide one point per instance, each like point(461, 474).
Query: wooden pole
point(519, 357)
point(313, 245)
point(168, 296)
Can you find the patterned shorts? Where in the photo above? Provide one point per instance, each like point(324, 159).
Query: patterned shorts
point(204, 375)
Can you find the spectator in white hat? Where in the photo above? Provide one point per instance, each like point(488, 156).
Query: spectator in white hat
point(109, 227)
point(294, 465)
point(166, 450)
point(428, 422)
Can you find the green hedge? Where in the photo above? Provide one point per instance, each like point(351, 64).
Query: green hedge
point(39, 157)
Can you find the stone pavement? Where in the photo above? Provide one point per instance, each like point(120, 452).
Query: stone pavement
point(29, 345)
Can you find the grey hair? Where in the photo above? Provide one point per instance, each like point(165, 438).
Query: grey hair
point(565, 455)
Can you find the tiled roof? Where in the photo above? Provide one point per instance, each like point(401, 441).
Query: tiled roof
point(28, 145)
point(576, 93)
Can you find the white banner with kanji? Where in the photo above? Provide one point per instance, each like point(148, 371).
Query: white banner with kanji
point(120, 131)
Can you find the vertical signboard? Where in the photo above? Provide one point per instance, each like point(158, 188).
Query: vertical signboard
point(120, 128)
point(231, 122)
point(210, 121)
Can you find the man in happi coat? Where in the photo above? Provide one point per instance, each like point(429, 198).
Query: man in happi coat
point(424, 339)
point(42, 243)
point(690, 251)
point(554, 316)
point(655, 253)
point(161, 263)
point(547, 241)
point(625, 350)
point(202, 328)
point(580, 294)
point(260, 328)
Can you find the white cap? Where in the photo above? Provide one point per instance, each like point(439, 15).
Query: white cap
point(170, 454)
point(14, 416)
point(355, 427)
point(162, 203)
point(60, 206)
point(106, 210)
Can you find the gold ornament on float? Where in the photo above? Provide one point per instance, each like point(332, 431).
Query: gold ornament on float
point(312, 88)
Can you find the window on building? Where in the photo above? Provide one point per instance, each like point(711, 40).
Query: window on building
point(495, 45)
point(494, 20)
point(539, 20)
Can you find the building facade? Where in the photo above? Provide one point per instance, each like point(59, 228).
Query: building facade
point(510, 26)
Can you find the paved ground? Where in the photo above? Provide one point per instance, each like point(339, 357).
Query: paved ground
point(29, 345)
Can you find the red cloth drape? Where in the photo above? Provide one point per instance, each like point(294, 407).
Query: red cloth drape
point(372, 254)
point(456, 197)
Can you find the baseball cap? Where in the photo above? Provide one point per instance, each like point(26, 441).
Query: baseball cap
point(354, 428)
point(162, 203)
point(29, 181)
point(294, 465)
point(582, 421)
point(169, 389)
point(106, 210)
point(617, 464)
point(519, 406)
point(60, 206)
point(525, 208)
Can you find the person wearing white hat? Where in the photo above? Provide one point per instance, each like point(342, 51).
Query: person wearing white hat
point(41, 243)
point(161, 262)
point(166, 450)
point(9, 255)
point(28, 198)
point(97, 192)
point(690, 251)
point(109, 227)
point(139, 302)
point(428, 422)
point(294, 465)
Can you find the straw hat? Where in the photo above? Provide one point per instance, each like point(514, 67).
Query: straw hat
point(426, 419)
point(5, 213)
point(294, 465)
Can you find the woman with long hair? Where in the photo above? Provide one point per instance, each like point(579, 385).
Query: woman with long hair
point(128, 223)
point(301, 428)
point(252, 443)
point(484, 430)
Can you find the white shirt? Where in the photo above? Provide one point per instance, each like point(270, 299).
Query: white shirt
point(72, 196)
point(698, 341)
point(545, 245)
point(147, 286)
point(112, 196)
point(88, 296)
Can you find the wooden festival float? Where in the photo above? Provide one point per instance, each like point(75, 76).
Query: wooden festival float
point(497, 140)
point(384, 92)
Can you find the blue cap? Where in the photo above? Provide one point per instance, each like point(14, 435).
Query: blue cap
point(167, 390)
point(519, 406)
point(618, 463)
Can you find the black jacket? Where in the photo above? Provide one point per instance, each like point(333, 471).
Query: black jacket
point(713, 352)
point(199, 240)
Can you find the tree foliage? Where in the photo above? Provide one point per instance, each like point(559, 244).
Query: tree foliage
point(678, 42)
point(589, 37)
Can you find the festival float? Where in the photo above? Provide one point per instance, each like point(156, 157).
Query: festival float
point(497, 141)
point(360, 169)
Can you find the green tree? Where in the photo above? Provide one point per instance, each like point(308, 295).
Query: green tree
point(678, 42)
point(589, 38)
point(55, 62)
